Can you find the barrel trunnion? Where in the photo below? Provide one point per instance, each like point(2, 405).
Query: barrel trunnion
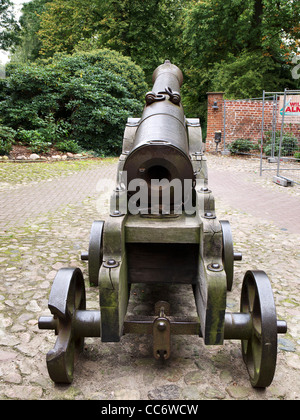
point(183, 243)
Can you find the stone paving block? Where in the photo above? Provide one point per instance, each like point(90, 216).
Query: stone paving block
point(35, 199)
point(242, 193)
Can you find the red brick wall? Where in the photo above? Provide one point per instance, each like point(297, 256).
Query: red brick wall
point(243, 120)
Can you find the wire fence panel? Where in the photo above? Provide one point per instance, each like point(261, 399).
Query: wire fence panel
point(266, 128)
point(280, 148)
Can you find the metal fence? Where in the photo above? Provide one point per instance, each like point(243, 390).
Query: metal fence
point(280, 147)
point(271, 123)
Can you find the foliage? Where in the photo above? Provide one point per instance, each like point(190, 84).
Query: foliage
point(68, 146)
point(216, 29)
point(241, 146)
point(241, 47)
point(28, 44)
point(7, 136)
point(5, 147)
point(84, 98)
point(288, 146)
point(241, 77)
point(65, 22)
point(9, 27)
point(297, 155)
point(35, 140)
point(148, 32)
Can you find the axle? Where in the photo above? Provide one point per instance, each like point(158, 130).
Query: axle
point(238, 326)
point(84, 323)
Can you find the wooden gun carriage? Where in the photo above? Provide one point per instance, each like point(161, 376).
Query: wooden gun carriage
point(149, 239)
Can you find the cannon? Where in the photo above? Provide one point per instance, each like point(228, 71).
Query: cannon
point(161, 228)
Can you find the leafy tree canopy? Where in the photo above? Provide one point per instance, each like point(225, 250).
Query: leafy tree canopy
point(240, 46)
point(65, 22)
point(146, 31)
point(8, 25)
point(28, 44)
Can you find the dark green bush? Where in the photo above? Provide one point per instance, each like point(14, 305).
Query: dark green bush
point(7, 137)
point(85, 98)
point(288, 146)
point(240, 146)
point(68, 146)
point(35, 140)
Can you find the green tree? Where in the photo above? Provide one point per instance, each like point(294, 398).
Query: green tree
point(9, 27)
point(146, 31)
point(66, 22)
point(247, 75)
point(239, 46)
point(28, 46)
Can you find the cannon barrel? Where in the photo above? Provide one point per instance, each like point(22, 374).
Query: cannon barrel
point(160, 148)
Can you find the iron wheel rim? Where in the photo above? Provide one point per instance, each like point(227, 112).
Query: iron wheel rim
point(260, 350)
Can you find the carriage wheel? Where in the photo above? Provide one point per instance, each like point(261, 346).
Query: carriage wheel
point(66, 297)
point(95, 255)
point(260, 350)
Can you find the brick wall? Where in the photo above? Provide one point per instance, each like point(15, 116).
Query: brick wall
point(243, 120)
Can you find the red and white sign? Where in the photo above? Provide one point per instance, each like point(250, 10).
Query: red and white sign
point(292, 108)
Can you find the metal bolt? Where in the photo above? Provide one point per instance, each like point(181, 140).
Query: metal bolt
point(161, 326)
point(209, 215)
point(204, 190)
point(85, 256)
point(116, 213)
point(237, 256)
point(111, 263)
point(215, 266)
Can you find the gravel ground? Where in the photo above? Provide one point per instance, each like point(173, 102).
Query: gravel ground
point(46, 215)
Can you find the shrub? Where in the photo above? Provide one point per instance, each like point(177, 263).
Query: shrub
point(24, 137)
point(240, 146)
point(35, 140)
point(68, 146)
point(297, 155)
point(288, 146)
point(85, 98)
point(7, 137)
point(50, 134)
point(38, 143)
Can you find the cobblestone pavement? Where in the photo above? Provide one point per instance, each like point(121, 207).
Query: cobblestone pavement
point(45, 220)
